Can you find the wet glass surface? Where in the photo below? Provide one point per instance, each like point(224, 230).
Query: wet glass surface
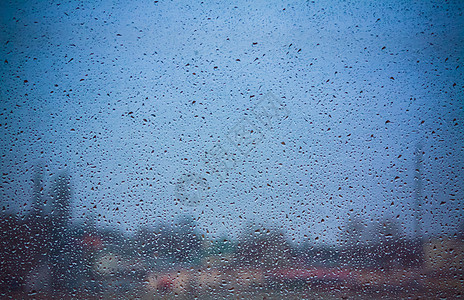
point(208, 150)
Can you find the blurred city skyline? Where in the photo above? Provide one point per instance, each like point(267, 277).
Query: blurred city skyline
point(255, 150)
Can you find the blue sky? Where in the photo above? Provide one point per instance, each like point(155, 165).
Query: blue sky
point(128, 97)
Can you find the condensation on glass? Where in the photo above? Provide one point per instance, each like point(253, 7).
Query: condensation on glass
point(255, 150)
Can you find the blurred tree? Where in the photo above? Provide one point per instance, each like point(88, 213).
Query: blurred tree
point(390, 243)
point(145, 242)
point(460, 233)
point(388, 230)
point(188, 241)
point(354, 250)
point(352, 232)
point(180, 243)
point(263, 247)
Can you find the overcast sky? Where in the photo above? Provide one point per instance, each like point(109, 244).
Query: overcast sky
point(128, 97)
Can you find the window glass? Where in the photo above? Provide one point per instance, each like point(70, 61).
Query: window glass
point(209, 150)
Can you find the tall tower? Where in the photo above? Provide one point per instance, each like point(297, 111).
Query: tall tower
point(37, 191)
point(418, 188)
